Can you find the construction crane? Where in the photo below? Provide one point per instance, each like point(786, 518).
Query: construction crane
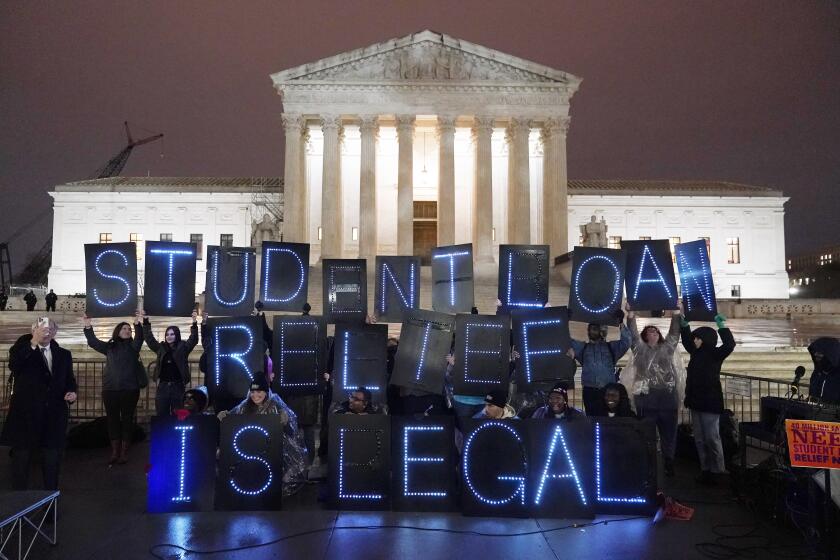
point(38, 266)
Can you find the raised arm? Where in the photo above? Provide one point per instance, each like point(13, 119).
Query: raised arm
point(674, 331)
point(193, 339)
point(93, 342)
point(151, 341)
point(622, 345)
point(137, 341)
point(633, 327)
point(685, 334)
point(727, 340)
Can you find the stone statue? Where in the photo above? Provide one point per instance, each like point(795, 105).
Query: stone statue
point(594, 233)
point(264, 230)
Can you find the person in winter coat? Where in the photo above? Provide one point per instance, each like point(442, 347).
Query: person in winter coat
point(30, 299)
point(172, 371)
point(824, 386)
point(558, 406)
point(44, 384)
point(703, 393)
point(51, 299)
point(121, 380)
point(496, 406)
point(616, 402)
point(656, 379)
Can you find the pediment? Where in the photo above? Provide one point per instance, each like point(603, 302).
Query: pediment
point(424, 57)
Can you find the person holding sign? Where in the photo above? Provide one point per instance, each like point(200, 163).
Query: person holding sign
point(597, 359)
point(122, 379)
point(656, 378)
point(359, 402)
point(172, 370)
point(703, 393)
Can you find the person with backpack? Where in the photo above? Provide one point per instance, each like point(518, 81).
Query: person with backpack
point(597, 359)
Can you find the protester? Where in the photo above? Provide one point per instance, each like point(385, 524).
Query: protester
point(703, 393)
point(616, 402)
point(51, 299)
point(656, 378)
point(558, 405)
point(172, 368)
point(30, 299)
point(597, 358)
point(195, 401)
point(258, 401)
point(43, 385)
point(359, 402)
point(824, 386)
point(496, 406)
point(4, 299)
point(122, 379)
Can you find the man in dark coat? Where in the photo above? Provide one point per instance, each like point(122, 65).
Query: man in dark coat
point(51, 299)
point(44, 384)
point(4, 299)
point(824, 386)
point(30, 299)
point(703, 393)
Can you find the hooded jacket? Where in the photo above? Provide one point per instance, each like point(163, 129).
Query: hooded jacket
point(180, 353)
point(825, 381)
point(703, 392)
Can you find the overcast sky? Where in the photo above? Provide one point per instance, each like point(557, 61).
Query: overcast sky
point(744, 91)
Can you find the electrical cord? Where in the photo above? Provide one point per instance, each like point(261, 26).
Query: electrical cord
point(185, 550)
point(749, 543)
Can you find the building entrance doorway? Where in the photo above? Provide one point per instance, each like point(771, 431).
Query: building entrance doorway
point(425, 230)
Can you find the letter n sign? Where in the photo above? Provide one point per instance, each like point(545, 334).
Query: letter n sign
point(397, 287)
point(111, 275)
point(523, 275)
point(698, 288)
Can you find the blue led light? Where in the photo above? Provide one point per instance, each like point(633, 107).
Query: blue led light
point(509, 300)
point(332, 291)
point(407, 299)
point(598, 496)
point(572, 474)
point(266, 277)
point(262, 460)
point(426, 332)
point(125, 282)
point(237, 357)
point(346, 366)
point(284, 351)
point(409, 459)
point(468, 352)
point(646, 254)
point(182, 471)
point(527, 353)
point(520, 490)
point(451, 257)
point(214, 275)
point(171, 271)
point(341, 465)
point(616, 284)
point(687, 273)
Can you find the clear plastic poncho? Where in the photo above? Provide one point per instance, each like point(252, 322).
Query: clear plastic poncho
point(655, 371)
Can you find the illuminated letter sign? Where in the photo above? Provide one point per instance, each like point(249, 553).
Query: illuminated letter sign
point(425, 340)
point(649, 277)
point(299, 354)
point(230, 281)
point(360, 360)
point(111, 277)
point(482, 354)
point(284, 276)
point(698, 288)
point(561, 459)
point(523, 275)
point(494, 468)
point(345, 290)
point(250, 463)
point(597, 279)
point(625, 441)
point(541, 337)
point(397, 287)
point(169, 287)
point(236, 354)
point(183, 464)
point(452, 279)
point(359, 455)
point(424, 470)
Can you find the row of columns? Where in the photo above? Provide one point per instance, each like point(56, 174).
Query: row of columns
point(555, 203)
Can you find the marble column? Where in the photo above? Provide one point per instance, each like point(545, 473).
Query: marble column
point(332, 226)
point(519, 182)
point(294, 187)
point(305, 213)
point(405, 185)
point(483, 190)
point(555, 186)
point(368, 128)
point(446, 181)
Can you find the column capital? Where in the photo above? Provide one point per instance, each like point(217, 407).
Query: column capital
point(555, 125)
point(332, 122)
point(292, 122)
point(405, 123)
point(445, 124)
point(482, 126)
point(369, 123)
point(517, 127)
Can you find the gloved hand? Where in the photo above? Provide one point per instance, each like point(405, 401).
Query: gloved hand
point(683, 321)
point(720, 320)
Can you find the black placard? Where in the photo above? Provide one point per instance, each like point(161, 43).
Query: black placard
point(284, 281)
point(597, 281)
point(111, 279)
point(345, 290)
point(649, 275)
point(169, 287)
point(425, 340)
point(236, 355)
point(360, 461)
point(250, 463)
point(696, 282)
point(541, 337)
point(482, 354)
point(424, 464)
point(561, 482)
point(523, 275)
point(619, 443)
point(183, 464)
point(360, 360)
point(230, 281)
point(299, 354)
point(397, 287)
point(452, 279)
point(494, 468)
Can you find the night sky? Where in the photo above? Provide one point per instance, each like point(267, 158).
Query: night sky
point(740, 91)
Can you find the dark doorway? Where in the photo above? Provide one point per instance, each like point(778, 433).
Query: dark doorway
point(425, 230)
